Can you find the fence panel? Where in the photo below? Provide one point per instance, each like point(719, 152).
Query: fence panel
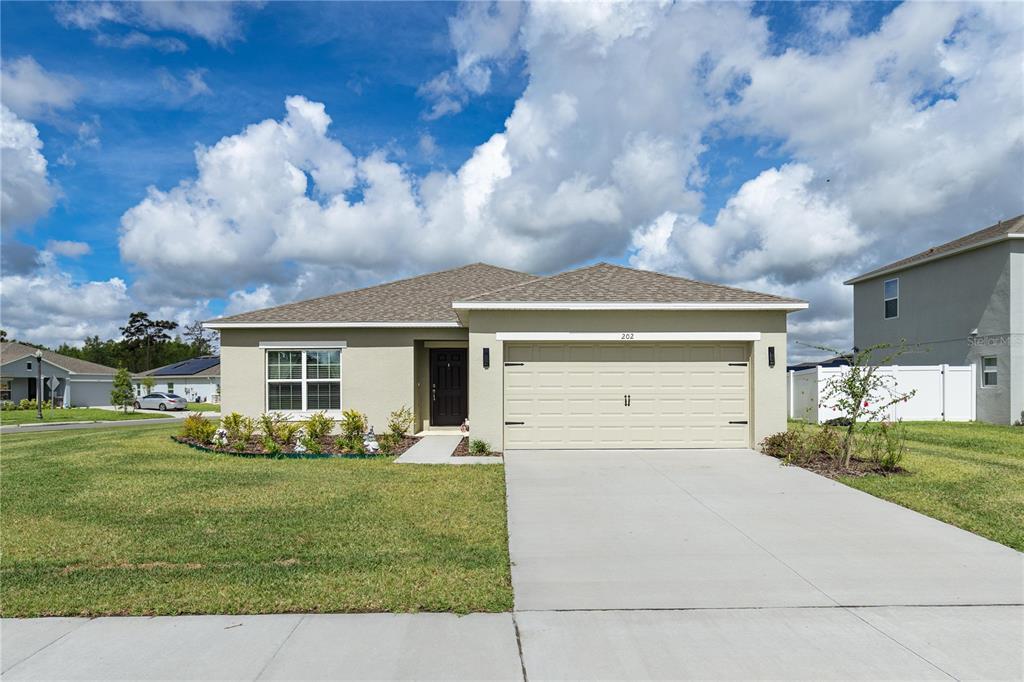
point(942, 392)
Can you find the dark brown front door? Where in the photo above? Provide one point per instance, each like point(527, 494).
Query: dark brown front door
point(448, 395)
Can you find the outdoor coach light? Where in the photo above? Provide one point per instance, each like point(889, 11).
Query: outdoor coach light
point(39, 384)
point(771, 356)
point(487, 358)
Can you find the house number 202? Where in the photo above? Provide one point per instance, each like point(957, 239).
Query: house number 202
point(627, 336)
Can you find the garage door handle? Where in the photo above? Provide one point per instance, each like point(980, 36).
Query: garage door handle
point(737, 364)
point(514, 364)
point(739, 422)
point(514, 423)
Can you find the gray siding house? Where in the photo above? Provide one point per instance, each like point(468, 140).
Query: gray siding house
point(959, 303)
point(69, 382)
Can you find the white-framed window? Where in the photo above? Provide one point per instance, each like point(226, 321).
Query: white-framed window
point(891, 298)
point(170, 387)
point(304, 380)
point(989, 370)
point(5, 389)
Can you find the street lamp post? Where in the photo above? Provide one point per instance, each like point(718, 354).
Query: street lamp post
point(39, 384)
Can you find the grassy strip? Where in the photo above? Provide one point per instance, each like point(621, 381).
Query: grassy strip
point(73, 414)
point(968, 474)
point(112, 522)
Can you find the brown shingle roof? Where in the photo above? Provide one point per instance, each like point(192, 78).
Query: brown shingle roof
point(11, 351)
point(426, 298)
point(607, 283)
point(990, 233)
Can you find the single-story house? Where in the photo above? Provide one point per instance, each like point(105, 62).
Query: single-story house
point(68, 381)
point(600, 357)
point(196, 379)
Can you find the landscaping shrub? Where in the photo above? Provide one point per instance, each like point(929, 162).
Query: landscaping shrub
point(783, 444)
point(479, 447)
point(7, 405)
point(353, 425)
point(276, 428)
point(26, 404)
point(239, 430)
point(306, 442)
point(400, 421)
point(198, 429)
point(319, 425)
point(388, 443)
point(888, 445)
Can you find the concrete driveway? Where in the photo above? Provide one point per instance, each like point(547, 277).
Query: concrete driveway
point(651, 564)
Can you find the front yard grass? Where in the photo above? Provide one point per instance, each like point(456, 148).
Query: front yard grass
point(968, 474)
point(203, 407)
point(106, 521)
point(72, 414)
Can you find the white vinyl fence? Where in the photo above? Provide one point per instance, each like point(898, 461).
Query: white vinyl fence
point(944, 393)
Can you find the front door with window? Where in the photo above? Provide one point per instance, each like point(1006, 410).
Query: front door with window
point(448, 394)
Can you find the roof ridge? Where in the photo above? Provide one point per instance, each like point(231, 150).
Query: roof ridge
point(629, 269)
point(373, 286)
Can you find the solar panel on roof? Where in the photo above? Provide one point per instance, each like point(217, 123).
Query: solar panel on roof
point(187, 367)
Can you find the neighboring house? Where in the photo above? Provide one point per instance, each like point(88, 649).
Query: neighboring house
point(600, 357)
point(960, 303)
point(197, 379)
point(69, 382)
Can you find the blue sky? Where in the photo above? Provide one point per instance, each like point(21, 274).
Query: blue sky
point(775, 146)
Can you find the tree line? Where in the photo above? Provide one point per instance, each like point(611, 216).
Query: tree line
point(145, 343)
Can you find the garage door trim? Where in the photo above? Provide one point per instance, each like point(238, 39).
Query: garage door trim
point(627, 336)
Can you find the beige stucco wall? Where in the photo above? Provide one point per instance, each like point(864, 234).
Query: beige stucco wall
point(768, 385)
point(378, 367)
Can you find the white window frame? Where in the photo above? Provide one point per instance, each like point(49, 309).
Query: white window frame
point(886, 299)
point(994, 370)
point(269, 347)
point(6, 386)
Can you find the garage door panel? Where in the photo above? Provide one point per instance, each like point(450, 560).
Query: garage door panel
point(572, 395)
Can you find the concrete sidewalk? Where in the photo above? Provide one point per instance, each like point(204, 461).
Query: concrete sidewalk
point(271, 647)
point(71, 426)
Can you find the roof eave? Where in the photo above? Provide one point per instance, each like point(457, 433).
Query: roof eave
point(890, 269)
point(626, 305)
point(217, 324)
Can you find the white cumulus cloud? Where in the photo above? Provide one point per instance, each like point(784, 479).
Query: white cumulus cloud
point(28, 193)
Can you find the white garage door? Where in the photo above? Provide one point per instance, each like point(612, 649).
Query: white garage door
point(632, 395)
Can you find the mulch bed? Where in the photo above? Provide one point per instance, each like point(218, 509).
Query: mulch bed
point(829, 467)
point(328, 445)
point(462, 450)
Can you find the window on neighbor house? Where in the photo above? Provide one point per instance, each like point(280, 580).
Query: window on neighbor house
point(5, 389)
point(170, 387)
point(990, 371)
point(303, 380)
point(891, 298)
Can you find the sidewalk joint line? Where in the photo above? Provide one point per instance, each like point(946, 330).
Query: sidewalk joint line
point(280, 646)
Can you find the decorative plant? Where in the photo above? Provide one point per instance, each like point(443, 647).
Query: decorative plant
point(276, 427)
point(306, 442)
point(122, 395)
point(860, 393)
point(353, 426)
point(148, 383)
point(239, 429)
point(195, 427)
point(889, 445)
point(479, 447)
point(400, 421)
point(319, 425)
point(388, 443)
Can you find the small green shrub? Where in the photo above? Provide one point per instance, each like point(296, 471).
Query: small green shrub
point(782, 444)
point(271, 446)
point(388, 443)
point(309, 443)
point(277, 428)
point(26, 404)
point(240, 429)
point(319, 425)
point(195, 427)
point(888, 445)
point(400, 421)
point(353, 425)
point(479, 447)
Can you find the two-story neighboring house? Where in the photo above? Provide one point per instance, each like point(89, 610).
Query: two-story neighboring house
point(959, 303)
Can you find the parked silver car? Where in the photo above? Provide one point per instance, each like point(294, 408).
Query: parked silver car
point(161, 401)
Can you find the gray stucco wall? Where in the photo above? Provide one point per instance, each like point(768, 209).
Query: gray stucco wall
point(941, 303)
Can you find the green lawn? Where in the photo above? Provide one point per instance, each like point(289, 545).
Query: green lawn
point(73, 414)
point(109, 521)
point(968, 474)
point(203, 407)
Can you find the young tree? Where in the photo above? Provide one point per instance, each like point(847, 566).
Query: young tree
point(148, 383)
point(122, 396)
point(144, 333)
point(860, 393)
